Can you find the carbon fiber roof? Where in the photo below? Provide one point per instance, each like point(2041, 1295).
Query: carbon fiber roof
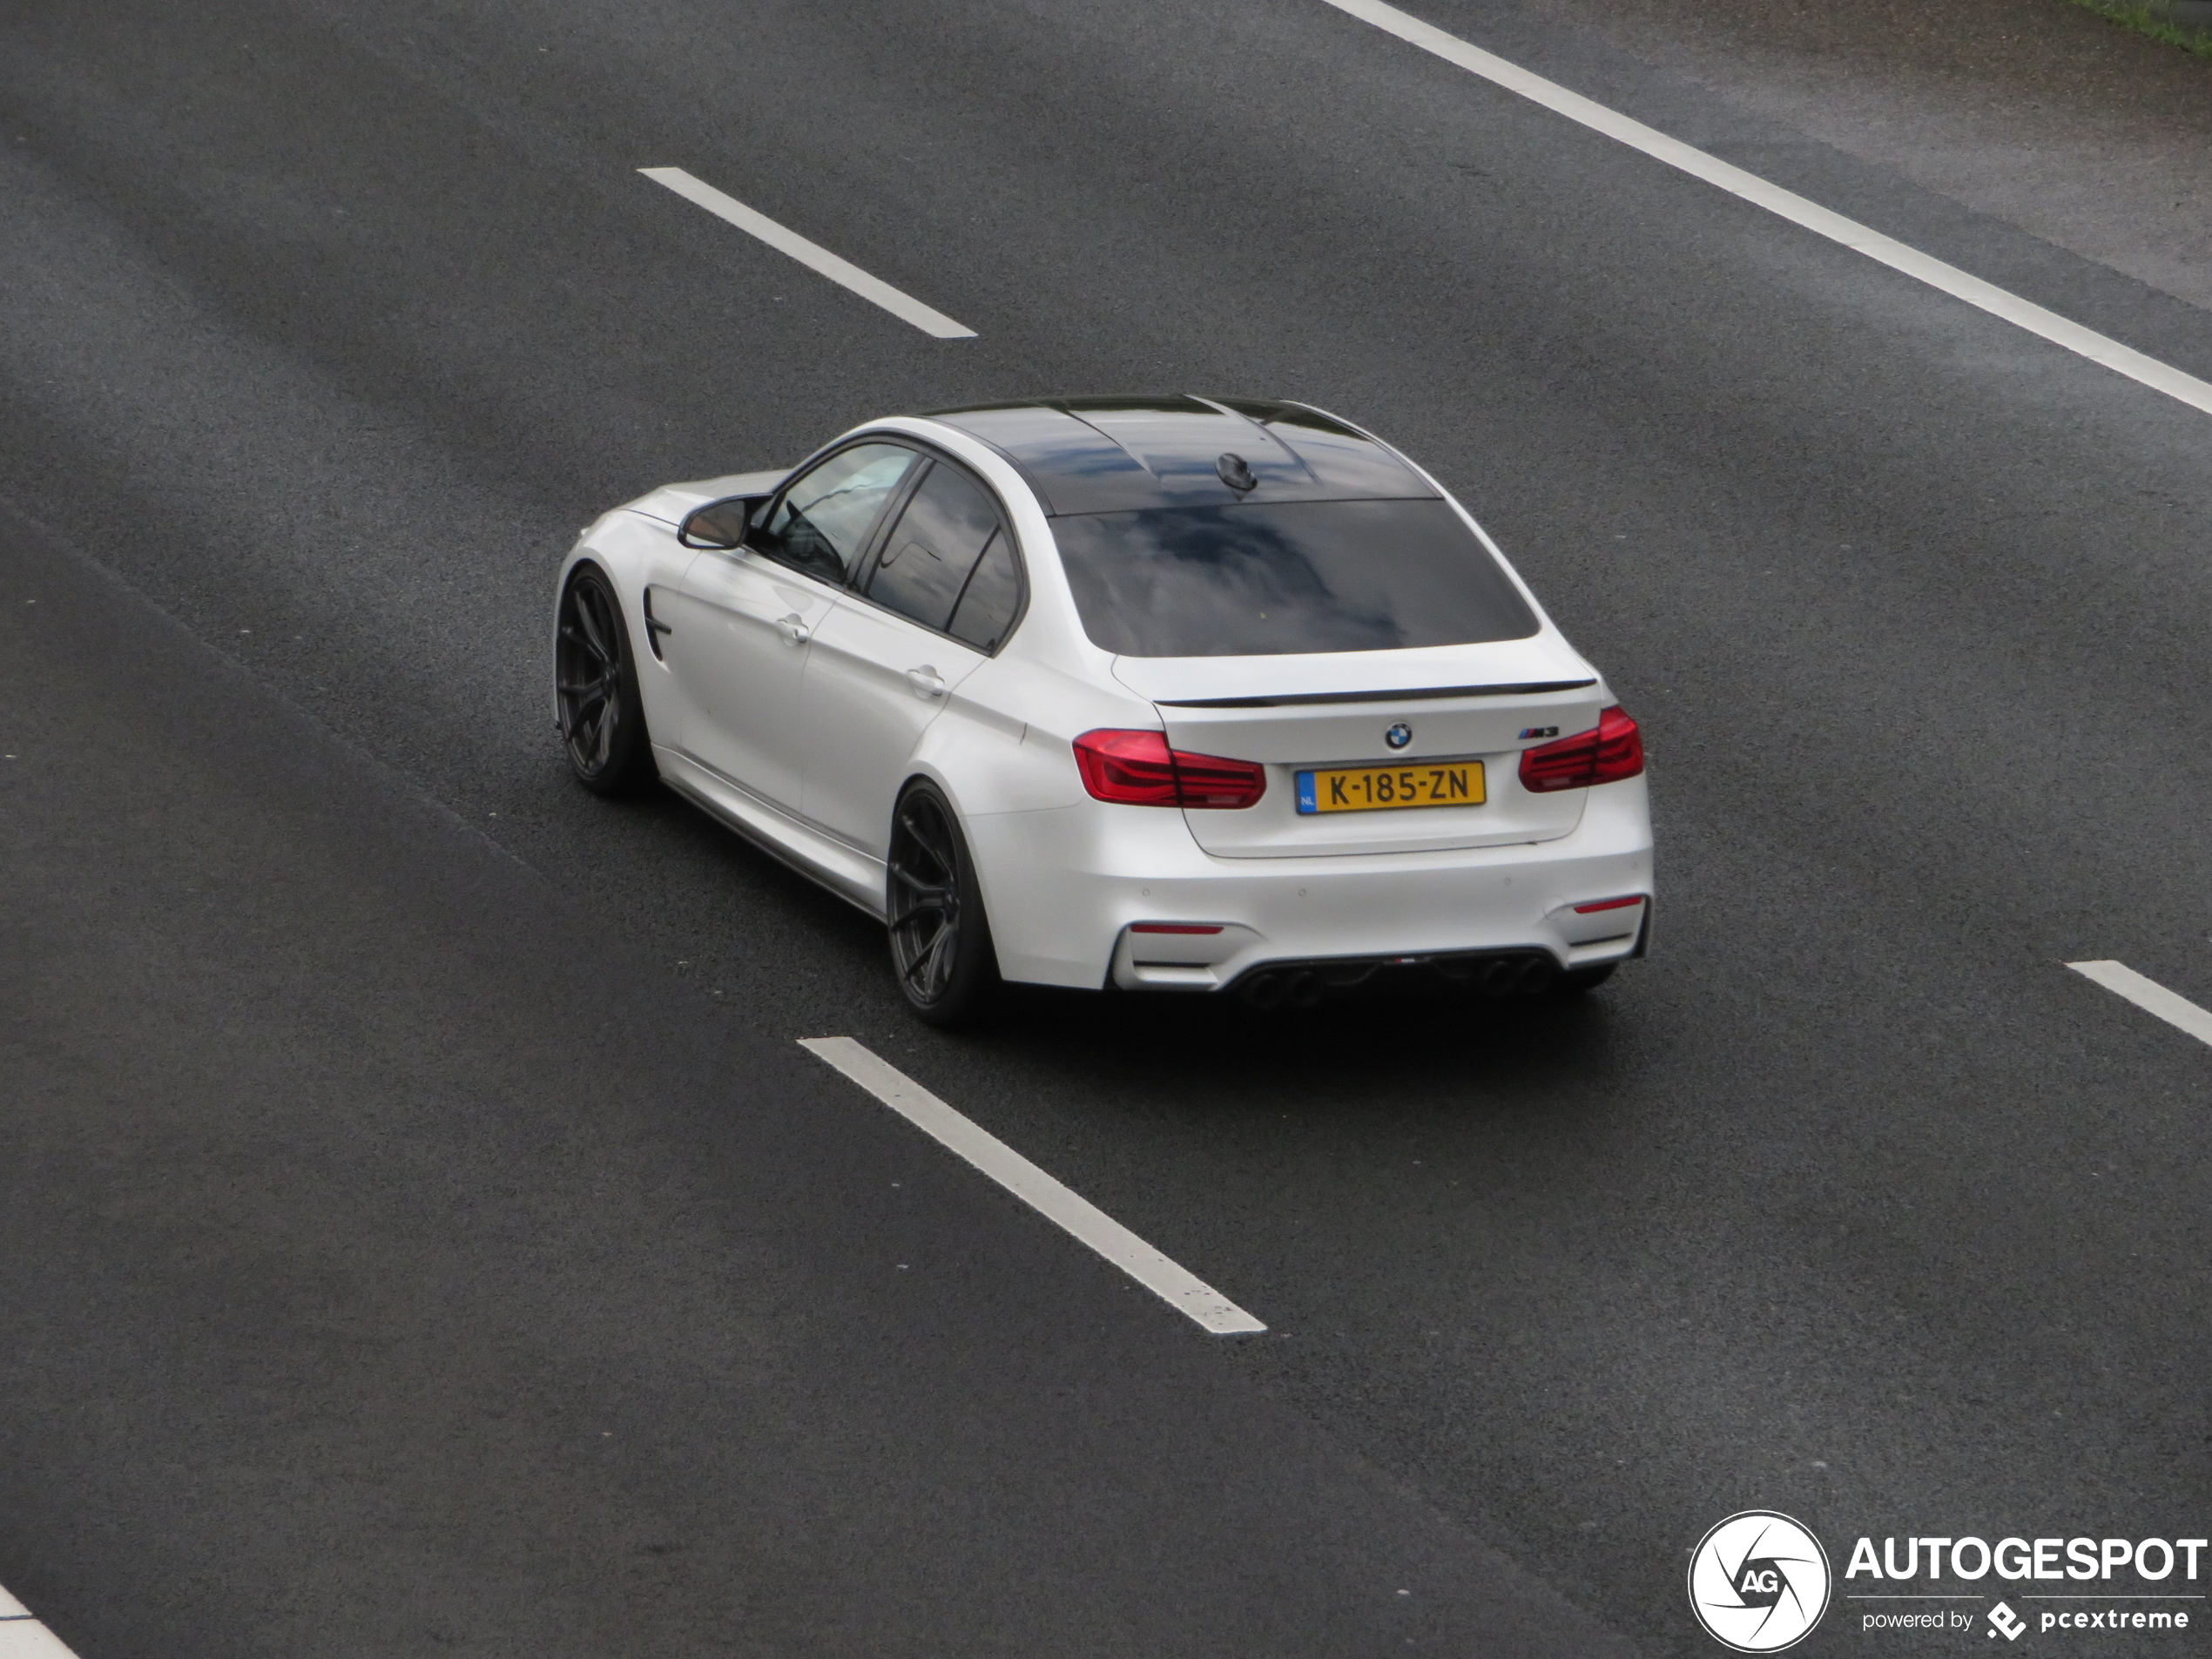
point(1118, 454)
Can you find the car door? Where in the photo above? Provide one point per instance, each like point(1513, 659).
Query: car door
point(940, 594)
point(742, 622)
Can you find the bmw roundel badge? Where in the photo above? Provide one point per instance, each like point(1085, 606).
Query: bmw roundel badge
point(1399, 736)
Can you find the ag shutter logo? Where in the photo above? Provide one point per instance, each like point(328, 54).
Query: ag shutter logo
point(1758, 1582)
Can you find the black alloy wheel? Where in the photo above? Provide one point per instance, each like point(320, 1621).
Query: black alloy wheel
point(941, 943)
point(595, 679)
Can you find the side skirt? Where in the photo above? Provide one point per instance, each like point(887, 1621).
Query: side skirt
point(852, 876)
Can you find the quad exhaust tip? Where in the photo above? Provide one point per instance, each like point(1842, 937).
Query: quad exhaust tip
point(1300, 989)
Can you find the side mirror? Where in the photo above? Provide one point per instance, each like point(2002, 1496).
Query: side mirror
point(719, 525)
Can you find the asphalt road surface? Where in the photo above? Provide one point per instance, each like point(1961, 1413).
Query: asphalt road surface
point(419, 1230)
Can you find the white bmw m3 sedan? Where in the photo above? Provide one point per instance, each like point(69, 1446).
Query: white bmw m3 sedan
point(1172, 694)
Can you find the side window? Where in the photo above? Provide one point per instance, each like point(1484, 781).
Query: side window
point(821, 523)
point(993, 598)
point(927, 558)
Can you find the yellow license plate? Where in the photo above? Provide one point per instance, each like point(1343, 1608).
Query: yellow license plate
point(1374, 789)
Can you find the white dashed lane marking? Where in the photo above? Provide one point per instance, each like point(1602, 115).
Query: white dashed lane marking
point(813, 256)
point(1798, 210)
point(23, 1638)
point(2150, 997)
point(1182, 1289)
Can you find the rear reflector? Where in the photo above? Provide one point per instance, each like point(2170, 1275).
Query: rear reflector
point(1608, 904)
point(1169, 927)
point(1612, 751)
point(1138, 769)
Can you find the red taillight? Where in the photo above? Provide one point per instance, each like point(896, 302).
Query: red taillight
point(1611, 752)
point(1138, 769)
point(1173, 927)
point(1209, 780)
point(1133, 767)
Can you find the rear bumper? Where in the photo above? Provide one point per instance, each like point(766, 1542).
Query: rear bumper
point(1065, 888)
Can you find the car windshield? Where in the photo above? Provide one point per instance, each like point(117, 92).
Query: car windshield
point(1267, 579)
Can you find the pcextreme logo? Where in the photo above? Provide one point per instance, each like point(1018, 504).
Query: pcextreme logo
point(1758, 1581)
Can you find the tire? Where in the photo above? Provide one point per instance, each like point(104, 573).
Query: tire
point(594, 683)
point(940, 940)
point(1576, 980)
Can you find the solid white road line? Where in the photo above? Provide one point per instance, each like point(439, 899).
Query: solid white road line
point(2159, 377)
point(1180, 1290)
point(2149, 995)
point(903, 306)
point(23, 1638)
point(28, 1639)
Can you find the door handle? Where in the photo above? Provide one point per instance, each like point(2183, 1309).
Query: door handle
point(794, 628)
point(925, 682)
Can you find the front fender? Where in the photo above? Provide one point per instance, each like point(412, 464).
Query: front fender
point(632, 551)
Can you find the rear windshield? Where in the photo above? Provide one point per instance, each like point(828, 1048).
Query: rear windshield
point(1265, 580)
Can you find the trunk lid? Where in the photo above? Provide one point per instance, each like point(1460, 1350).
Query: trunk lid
point(1293, 714)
